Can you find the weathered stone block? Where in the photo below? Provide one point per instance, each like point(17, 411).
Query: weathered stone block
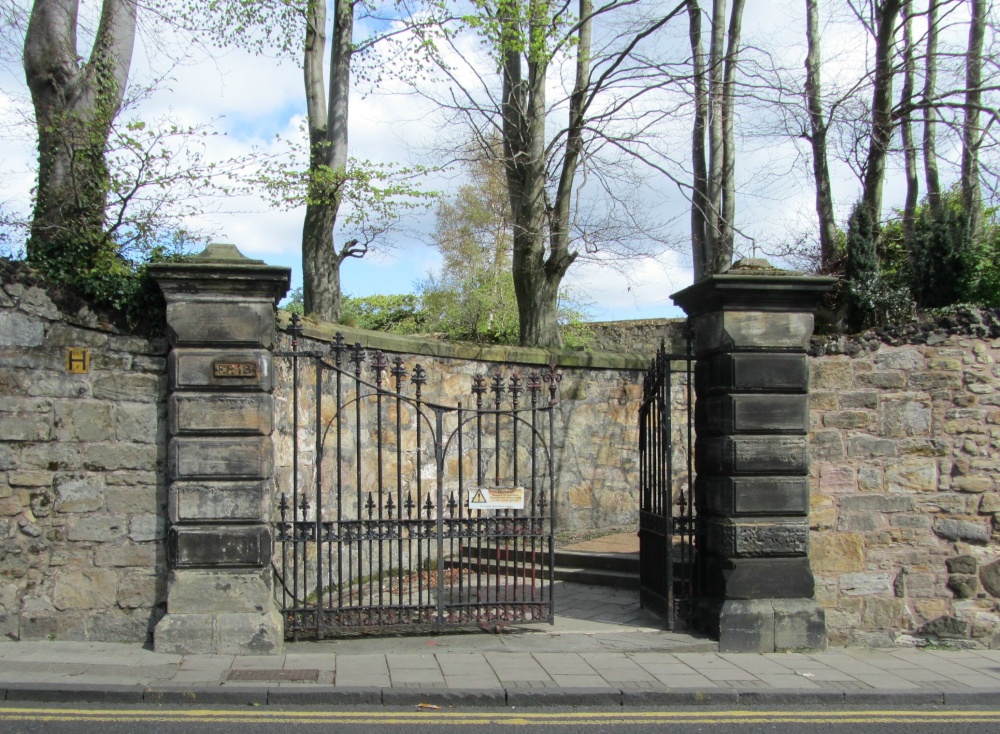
point(758, 578)
point(85, 494)
point(137, 387)
point(945, 627)
point(729, 414)
point(138, 423)
point(827, 445)
point(146, 527)
point(81, 587)
point(245, 414)
point(194, 369)
point(755, 495)
point(219, 546)
point(220, 634)
point(220, 458)
point(745, 539)
point(964, 564)
point(799, 625)
point(138, 590)
point(965, 586)
point(972, 530)
point(744, 372)
point(865, 584)
point(989, 575)
point(752, 330)
point(21, 427)
point(98, 528)
point(20, 330)
point(912, 474)
point(746, 626)
point(836, 553)
point(193, 502)
point(218, 592)
point(870, 447)
point(972, 485)
point(236, 321)
point(141, 555)
point(752, 455)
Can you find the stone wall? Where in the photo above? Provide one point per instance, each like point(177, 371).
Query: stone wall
point(81, 480)
point(905, 490)
point(596, 423)
point(638, 336)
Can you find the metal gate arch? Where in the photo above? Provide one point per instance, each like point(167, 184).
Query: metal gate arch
point(381, 537)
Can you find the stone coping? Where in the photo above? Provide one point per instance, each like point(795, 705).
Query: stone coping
point(417, 345)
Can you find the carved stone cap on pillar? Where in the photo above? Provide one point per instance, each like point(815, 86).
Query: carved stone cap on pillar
point(221, 269)
point(753, 284)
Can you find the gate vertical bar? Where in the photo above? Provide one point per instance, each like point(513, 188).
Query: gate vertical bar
point(319, 497)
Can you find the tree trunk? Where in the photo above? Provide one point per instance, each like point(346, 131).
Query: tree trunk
point(906, 127)
point(828, 240)
point(930, 113)
point(727, 214)
point(327, 155)
point(701, 253)
point(75, 105)
point(881, 134)
point(716, 115)
point(971, 193)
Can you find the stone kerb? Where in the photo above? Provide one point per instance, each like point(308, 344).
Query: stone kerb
point(752, 327)
point(220, 320)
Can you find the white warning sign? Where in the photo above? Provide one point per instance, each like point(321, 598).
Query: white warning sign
point(496, 498)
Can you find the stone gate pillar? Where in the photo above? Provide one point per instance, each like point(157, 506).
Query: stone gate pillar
point(752, 326)
point(220, 321)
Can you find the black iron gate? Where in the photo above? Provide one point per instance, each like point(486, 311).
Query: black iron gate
point(404, 513)
point(668, 575)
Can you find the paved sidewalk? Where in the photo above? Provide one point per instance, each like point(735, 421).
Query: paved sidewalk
point(609, 654)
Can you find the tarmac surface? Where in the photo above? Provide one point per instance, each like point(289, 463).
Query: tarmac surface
point(603, 651)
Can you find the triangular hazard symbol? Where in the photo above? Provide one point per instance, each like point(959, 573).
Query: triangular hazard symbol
point(478, 499)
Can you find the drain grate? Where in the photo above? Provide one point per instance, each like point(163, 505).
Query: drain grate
point(304, 674)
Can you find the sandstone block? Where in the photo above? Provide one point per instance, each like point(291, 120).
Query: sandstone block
point(98, 528)
point(248, 501)
point(899, 358)
point(83, 420)
point(755, 495)
point(147, 527)
point(141, 555)
point(84, 588)
point(138, 590)
point(832, 374)
point(836, 553)
point(876, 503)
point(870, 447)
point(972, 485)
point(757, 539)
point(220, 458)
point(138, 422)
point(214, 413)
point(965, 586)
point(196, 322)
point(962, 564)
point(827, 445)
point(912, 474)
point(219, 546)
point(865, 584)
point(194, 369)
point(218, 592)
point(945, 627)
point(137, 387)
point(21, 427)
point(747, 372)
point(753, 455)
point(904, 418)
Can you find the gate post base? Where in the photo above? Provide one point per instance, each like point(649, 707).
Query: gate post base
point(227, 633)
point(767, 625)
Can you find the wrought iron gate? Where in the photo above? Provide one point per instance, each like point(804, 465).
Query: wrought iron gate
point(405, 513)
point(668, 575)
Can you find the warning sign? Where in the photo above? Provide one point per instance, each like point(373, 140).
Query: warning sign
point(496, 498)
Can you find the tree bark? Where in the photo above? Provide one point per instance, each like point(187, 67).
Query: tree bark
point(327, 155)
point(75, 105)
point(930, 113)
point(828, 240)
point(971, 193)
point(541, 254)
point(701, 253)
point(881, 133)
point(727, 217)
point(906, 127)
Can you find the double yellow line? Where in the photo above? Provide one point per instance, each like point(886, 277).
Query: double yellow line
point(572, 718)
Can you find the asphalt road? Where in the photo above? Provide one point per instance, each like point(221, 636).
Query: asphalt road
point(147, 720)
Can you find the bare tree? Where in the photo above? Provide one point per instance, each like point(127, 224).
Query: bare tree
point(714, 192)
point(971, 132)
point(598, 128)
point(931, 174)
point(817, 136)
